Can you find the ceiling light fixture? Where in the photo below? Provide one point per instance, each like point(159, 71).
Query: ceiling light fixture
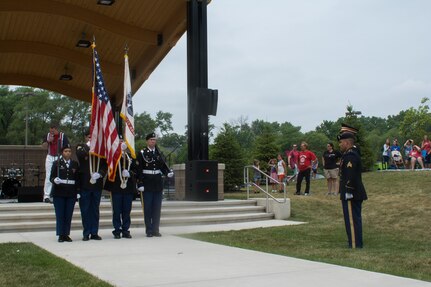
point(66, 76)
point(83, 43)
point(105, 2)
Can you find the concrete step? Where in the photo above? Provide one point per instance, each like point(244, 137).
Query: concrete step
point(41, 216)
point(49, 214)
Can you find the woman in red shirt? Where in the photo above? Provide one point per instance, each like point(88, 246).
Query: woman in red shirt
point(416, 155)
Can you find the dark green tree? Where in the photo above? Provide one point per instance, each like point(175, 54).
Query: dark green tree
point(416, 122)
point(227, 150)
point(289, 135)
point(266, 147)
point(361, 140)
point(317, 143)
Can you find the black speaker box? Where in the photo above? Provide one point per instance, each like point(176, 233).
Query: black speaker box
point(30, 194)
point(206, 101)
point(202, 180)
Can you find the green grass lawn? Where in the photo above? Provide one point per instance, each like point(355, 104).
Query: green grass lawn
point(396, 227)
point(25, 264)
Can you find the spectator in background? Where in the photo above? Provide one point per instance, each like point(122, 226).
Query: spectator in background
point(396, 157)
point(292, 160)
point(54, 142)
point(281, 171)
point(273, 173)
point(416, 156)
point(306, 158)
point(408, 146)
point(426, 151)
point(314, 166)
point(395, 146)
point(386, 154)
point(256, 175)
point(331, 160)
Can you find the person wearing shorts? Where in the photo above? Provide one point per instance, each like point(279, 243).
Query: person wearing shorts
point(330, 160)
point(281, 171)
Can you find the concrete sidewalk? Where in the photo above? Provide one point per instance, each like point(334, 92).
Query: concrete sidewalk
point(175, 261)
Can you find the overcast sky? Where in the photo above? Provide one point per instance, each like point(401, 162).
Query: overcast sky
point(303, 61)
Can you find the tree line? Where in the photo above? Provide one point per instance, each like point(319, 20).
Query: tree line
point(237, 143)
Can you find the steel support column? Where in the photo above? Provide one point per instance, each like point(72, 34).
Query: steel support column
point(197, 77)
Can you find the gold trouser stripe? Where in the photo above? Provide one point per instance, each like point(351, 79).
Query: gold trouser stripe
point(352, 227)
point(142, 202)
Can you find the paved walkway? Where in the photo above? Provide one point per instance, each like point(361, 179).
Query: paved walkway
point(178, 262)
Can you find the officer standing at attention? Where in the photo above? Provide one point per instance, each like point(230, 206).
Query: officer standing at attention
point(152, 167)
point(352, 190)
point(64, 175)
point(123, 191)
point(91, 185)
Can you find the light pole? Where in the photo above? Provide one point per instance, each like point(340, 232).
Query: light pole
point(26, 94)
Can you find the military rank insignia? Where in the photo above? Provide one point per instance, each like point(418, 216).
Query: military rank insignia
point(349, 164)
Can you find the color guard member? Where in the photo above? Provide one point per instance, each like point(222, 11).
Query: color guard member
point(91, 184)
point(64, 175)
point(123, 191)
point(152, 167)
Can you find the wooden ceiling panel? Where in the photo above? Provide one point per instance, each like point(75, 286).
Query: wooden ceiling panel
point(37, 40)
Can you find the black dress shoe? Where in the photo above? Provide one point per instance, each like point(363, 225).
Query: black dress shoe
point(157, 234)
point(85, 238)
point(127, 235)
point(95, 237)
point(60, 238)
point(67, 238)
point(47, 200)
point(116, 235)
point(149, 235)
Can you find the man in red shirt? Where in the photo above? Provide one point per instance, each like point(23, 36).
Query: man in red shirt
point(54, 141)
point(305, 161)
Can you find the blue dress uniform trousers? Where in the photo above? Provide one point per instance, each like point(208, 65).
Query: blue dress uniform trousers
point(121, 208)
point(64, 207)
point(152, 210)
point(89, 204)
point(353, 222)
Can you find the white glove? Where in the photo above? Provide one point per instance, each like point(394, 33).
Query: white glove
point(125, 173)
point(57, 180)
point(123, 146)
point(349, 196)
point(141, 189)
point(78, 196)
point(171, 174)
point(96, 176)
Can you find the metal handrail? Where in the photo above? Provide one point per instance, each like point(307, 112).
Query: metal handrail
point(249, 183)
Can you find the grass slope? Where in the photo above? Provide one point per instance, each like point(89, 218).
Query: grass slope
point(396, 227)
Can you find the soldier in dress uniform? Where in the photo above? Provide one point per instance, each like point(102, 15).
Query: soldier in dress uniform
point(152, 166)
point(64, 176)
point(123, 191)
point(352, 190)
point(91, 184)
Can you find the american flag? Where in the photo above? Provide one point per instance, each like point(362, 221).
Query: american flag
point(105, 142)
